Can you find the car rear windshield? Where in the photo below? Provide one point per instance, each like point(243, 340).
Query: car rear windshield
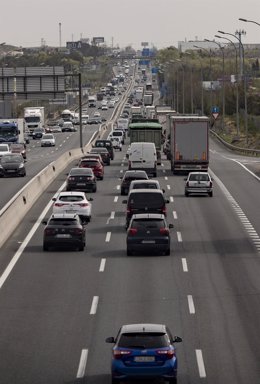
point(145, 186)
point(141, 200)
point(199, 177)
point(117, 133)
point(103, 144)
point(89, 163)
point(148, 223)
point(71, 198)
point(65, 222)
point(143, 340)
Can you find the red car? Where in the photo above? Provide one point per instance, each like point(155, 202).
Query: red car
point(95, 165)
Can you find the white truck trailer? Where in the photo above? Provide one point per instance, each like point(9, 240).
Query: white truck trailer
point(189, 143)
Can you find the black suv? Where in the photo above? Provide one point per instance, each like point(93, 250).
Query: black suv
point(145, 201)
point(105, 144)
point(64, 229)
point(129, 176)
point(148, 232)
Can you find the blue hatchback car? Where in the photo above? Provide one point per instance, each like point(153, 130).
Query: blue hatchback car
point(143, 351)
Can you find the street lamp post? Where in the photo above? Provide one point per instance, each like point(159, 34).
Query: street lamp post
point(223, 80)
point(237, 93)
point(245, 80)
point(210, 71)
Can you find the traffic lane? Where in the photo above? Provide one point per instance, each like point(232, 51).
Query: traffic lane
point(44, 303)
point(38, 158)
point(242, 185)
point(223, 269)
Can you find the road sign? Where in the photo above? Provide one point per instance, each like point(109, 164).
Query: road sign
point(214, 109)
point(215, 115)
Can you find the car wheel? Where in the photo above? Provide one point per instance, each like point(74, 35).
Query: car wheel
point(122, 192)
point(186, 193)
point(128, 252)
point(168, 252)
point(115, 381)
point(94, 189)
point(155, 174)
point(45, 247)
point(81, 247)
point(211, 193)
point(101, 178)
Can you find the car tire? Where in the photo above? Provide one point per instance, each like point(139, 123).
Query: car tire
point(45, 247)
point(186, 193)
point(81, 247)
point(211, 193)
point(115, 381)
point(173, 380)
point(122, 192)
point(168, 252)
point(94, 189)
point(129, 252)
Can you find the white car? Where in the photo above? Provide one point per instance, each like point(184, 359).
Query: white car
point(198, 183)
point(48, 140)
point(117, 133)
point(117, 143)
point(73, 202)
point(5, 149)
point(96, 114)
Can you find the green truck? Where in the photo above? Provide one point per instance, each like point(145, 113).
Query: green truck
point(149, 131)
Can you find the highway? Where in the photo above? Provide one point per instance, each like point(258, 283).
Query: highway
point(58, 307)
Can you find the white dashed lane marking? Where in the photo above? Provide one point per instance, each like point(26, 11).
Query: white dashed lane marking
point(94, 305)
point(82, 363)
point(108, 237)
point(200, 362)
point(184, 265)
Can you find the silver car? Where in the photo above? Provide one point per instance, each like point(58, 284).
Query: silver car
point(48, 140)
point(198, 183)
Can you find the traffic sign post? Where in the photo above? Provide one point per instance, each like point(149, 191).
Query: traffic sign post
point(215, 112)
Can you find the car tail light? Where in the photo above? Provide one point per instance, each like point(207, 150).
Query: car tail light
point(129, 210)
point(71, 178)
point(210, 184)
point(77, 231)
point(164, 212)
point(169, 353)
point(118, 354)
point(164, 231)
point(59, 205)
point(83, 204)
point(132, 231)
point(49, 231)
point(187, 184)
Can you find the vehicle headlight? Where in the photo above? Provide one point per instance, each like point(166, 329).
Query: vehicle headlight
point(21, 165)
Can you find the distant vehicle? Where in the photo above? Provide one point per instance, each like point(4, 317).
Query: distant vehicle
point(198, 183)
point(122, 123)
point(145, 201)
point(117, 143)
point(145, 184)
point(64, 229)
point(18, 148)
point(144, 351)
point(73, 202)
point(148, 232)
point(104, 107)
point(142, 155)
point(117, 133)
point(9, 132)
point(68, 127)
point(55, 129)
point(33, 118)
point(94, 164)
point(97, 114)
point(104, 154)
point(81, 179)
point(105, 143)
point(67, 115)
point(128, 177)
point(93, 156)
point(189, 143)
point(94, 120)
point(12, 164)
point(38, 133)
point(48, 140)
point(92, 101)
point(4, 149)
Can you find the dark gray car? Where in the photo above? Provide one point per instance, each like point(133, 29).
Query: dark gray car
point(12, 165)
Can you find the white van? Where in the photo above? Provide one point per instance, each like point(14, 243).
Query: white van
point(143, 156)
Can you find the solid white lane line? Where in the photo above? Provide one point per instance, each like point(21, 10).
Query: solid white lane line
point(115, 199)
point(191, 304)
point(102, 265)
point(20, 250)
point(168, 186)
point(174, 215)
point(200, 362)
point(171, 199)
point(94, 305)
point(184, 265)
point(179, 237)
point(108, 236)
point(82, 363)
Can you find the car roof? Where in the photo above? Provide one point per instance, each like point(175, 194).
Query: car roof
point(145, 182)
point(72, 193)
point(145, 190)
point(153, 216)
point(133, 172)
point(198, 173)
point(143, 328)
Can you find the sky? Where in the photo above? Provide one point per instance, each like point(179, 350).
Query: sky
point(161, 23)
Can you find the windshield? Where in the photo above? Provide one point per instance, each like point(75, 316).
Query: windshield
point(32, 119)
point(11, 159)
point(8, 131)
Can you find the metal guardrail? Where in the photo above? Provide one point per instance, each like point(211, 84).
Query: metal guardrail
point(247, 151)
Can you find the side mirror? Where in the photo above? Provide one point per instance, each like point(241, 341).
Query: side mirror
point(110, 340)
point(167, 201)
point(54, 199)
point(171, 226)
point(124, 202)
point(44, 222)
point(177, 339)
point(163, 190)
